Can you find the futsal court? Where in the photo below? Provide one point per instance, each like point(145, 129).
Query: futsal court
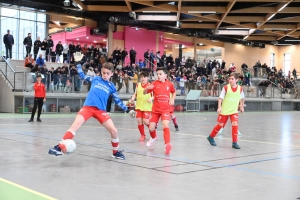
point(266, 167)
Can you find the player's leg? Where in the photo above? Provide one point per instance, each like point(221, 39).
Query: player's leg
point(110, 127)
point(234, 131)
point(173, 117)
point(167, 135)
point(139, 116)
point(153, 121)
point(146, 120)
point(222, 119)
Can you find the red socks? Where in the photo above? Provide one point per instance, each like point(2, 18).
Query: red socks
point(141, 129)
point(153, 134)
point(115, 145)
point(234, 133)
point(215, 131)
point(174, 120)
point(167, 135)
point(69, 135)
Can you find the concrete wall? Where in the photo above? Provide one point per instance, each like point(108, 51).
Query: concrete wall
point(6, 97)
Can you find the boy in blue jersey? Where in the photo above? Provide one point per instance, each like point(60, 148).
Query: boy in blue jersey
point(95, 106)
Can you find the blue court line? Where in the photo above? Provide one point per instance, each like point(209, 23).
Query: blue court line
point(214, 165)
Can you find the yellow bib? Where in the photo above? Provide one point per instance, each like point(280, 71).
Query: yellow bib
point(141, 99)
point(231, 101)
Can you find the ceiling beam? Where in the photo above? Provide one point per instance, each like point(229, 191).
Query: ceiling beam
point(278, 26)
point(290, 32)
point(157, 18)
point(81, 4)
point(107, 8)
point(262, 38)
point(289, 19)
point(179, 10)
point(198, 26)
point(204, 8)
point(197, 19)
point(229, 7)
point(266, 10)
point(65, 19)
point(244, 19)
point(128, 5)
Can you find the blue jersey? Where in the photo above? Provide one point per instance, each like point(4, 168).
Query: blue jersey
point(100, 92)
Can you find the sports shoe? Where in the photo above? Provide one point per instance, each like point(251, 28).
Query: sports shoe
point(235, 145)
point(39, 120)
point(176, 127)
point(150, 142)
point(211, 141)
point(239, 133)
point(143, 137)
point(55, 151)
point(168, 148)
point(31, 120)
point(118, 155)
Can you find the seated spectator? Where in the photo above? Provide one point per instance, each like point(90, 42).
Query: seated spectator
point(141, 63)
point(40, 61)
point(29, 61)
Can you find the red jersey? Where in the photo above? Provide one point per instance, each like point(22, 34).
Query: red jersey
point(161, 93)
point(39, 90)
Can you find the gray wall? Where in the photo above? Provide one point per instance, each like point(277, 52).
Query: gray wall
point(6, 97)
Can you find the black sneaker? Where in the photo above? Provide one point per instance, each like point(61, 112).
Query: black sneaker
point(39, 120)
point(118, 155)
point(235, 145)
point(31, 120)
point(55, 151)
point(176, 127)
point(211, 141)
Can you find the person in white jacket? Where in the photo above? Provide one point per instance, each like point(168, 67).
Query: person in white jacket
point(90, 73)
point(66, 52)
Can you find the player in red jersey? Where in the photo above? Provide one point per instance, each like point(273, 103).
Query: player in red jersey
point(162, 106)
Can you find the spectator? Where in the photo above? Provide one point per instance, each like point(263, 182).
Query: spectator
point(58, 51)
point(8, 40)
point(102, 60)
point(28, 44)
point(36, 47)
point(90, 51)
point(78, 47)
point(158, 59)
point(65, 52)
point(135, 80)
point(84, 49)
point(49, 48)
point(72, 50)
point(63, 78)
point(244, 68)
point(96, 51)
point(147, 58)
point(141, 64)
point(120, 80)
point(29, 61)
point(295, 74)
point(132, 54)
point(126, 81)
point(90, 73)
point(44, 72)
point(40, 61)
point(44, 47)
point(124, 54)
point(177, 62)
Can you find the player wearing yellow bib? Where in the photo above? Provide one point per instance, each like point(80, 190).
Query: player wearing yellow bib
point(231, 97)
point(143, 105)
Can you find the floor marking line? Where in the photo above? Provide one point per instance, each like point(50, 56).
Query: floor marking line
point(27, 189)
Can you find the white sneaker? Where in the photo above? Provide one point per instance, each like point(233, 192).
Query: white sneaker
point(151, 141)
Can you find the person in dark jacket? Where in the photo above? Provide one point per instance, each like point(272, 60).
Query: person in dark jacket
point(44, 47)
point(8, 40)
point(36, 47)
point(132, 54)
point(124, 54)
point(28, 44)
point(49, 48)
point(78, 47)
point(58, 51)
point(72, 50)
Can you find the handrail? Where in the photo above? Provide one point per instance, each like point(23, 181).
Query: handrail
point(7, 63)
point(7, 79)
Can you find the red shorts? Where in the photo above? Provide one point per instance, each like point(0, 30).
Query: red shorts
point(143, 114)
point(223, 118)
point(90, 111)
point(172, 112)
point(164, 116)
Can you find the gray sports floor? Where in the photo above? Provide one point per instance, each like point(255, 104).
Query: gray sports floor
point(266, 167)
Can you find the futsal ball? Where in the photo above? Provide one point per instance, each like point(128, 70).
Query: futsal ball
point(179, 108)
point(68, 146)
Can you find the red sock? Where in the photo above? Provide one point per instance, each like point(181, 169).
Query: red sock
point(174, 120)
point(215, 131)
point(141, 129)
point(167, 135)
point(234, 133)
point(69, 135)
point(153, 134)
point(115, 144)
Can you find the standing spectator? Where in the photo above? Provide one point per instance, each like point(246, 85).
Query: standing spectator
point(8, 40)
point(124, 54)
point(152, 58)
point(49, 48)
point(39, 98)
point(132, 55)
point(44, 72)
point(28, 44)
point(90, 52)
point(102, 60)
point(65, 52)
point(146, 58)
point(44, 47)
point(177, 62)
point(29, 61)
point(244, 68)
point(84, 49)
point(40, 61)
point(72, 50)
point(36, 47)
point(183, 61)
point(78, 47)
point(126, 81)
point(135, 80)
point(96, 51)
point(58, 51)
point(295, 74)
point(158, 59)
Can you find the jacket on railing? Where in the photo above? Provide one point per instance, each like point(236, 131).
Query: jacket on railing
point(27, 41)
point(8, 39)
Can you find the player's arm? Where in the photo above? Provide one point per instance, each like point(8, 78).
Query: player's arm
point(173, 92)
point(242, 101)
point(149, 89)
point(119, 102)
point(82, 75)
point(135, 93)
point(220, 100)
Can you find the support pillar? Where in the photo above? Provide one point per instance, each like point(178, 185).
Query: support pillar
point(110, 38)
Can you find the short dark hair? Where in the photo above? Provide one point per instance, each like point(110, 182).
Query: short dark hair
point(235, 75)
point(163, 69)
point(39, 76)
point(109, 66)
point(144, 73)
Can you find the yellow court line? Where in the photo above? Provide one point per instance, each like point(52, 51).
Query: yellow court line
point(27, 189)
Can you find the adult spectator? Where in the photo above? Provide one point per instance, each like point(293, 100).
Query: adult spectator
point(264, 69)
point(65, 52)
point(29, 61)
point(96, 52)
point(223, 64)
point(90, 51)
point(40, 61)
point(44, 47)
point(295, 74)
point(158, 59)
point(152, 58)
point(146, 58)
point(244, 68)
point(177, 62)
point(132, 54)
point(78, 47)
point(36, 47)
point(84, 49)
point(49, 48)
point(58, 51)
point(115, 54)
point(102, 60)
point(258, 68)
point(8, 40)
point(44, 72)
point(28, 44)
point(72, 50)
point(124, 54)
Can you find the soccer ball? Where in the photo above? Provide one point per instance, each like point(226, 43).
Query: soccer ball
point(68, 146)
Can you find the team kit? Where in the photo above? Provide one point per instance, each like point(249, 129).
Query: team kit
point(154, 102)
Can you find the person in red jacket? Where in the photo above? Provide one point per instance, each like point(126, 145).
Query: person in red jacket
point(39, 98)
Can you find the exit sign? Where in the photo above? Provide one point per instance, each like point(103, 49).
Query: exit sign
point(68, 29)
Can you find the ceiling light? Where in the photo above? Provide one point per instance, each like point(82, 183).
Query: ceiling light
point(246, 37)
point(283, 7)
point(87, 37)
point(277, 29)
point(156, 11)
point(77, 39)
point(136, 28)
point(79, 6)
point(166, 45)
point(237, 28)
point(271, 17)
point(292, 40)
point(201, 11)
point(76, 18)
point(200, 21)
point(95, 41)
point(200, 44)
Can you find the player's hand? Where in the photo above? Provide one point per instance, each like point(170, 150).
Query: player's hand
point(150, 100)
point(78, 56)
point(219, 110)
point(131, 113)
point(171, 102)
point(150, 87)
point(241, 109)
point(44, 100)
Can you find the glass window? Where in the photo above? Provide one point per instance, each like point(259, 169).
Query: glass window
point(27, 15)
point(41, 30)
point(272, 64)
point(287, 63)
point(25, 28)
point(12, 25)
point(9, 12)
point(41, 17)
